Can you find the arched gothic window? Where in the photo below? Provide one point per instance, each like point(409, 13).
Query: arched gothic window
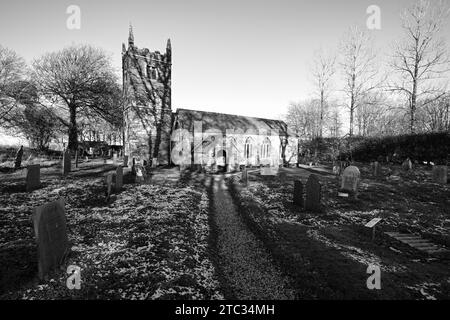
point(248, 148)
point(265, 148)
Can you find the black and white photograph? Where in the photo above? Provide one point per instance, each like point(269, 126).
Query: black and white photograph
point(226, 156)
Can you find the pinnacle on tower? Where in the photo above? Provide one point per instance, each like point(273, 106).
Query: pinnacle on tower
point(169, 46)
point(130, 36)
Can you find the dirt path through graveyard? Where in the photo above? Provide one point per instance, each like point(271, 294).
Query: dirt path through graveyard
point(245, 264)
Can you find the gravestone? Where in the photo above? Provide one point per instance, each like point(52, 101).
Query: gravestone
point(50, 231)
point(33, 178)
point(440, 174)
point(350, 181)
point(282, 176)
point(376, 168)
point(115, 158)
point(407, 165)
point(119, 178)
point(109, 183)
point(140, 174)
point(18, 160)
point(313, 194)
point(298, 193)
point(154, 162)
point(125, 161)
point(372, 224)
point(245, 176)
point(66, 162)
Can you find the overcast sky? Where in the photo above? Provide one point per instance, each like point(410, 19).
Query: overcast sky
point(244, 57)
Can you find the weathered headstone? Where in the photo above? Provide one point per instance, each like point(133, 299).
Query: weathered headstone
point(407, 165)
point(245, 176)
point(115, 158)
point(33, 178)
point(18, 160)
point(109, 183)
point(298, 193)
point(125, 161)
point(119, 178)
point(440, 174)
point(66, 162)
point(376, 168)
point(154, 162)
point(313, 194)
point(50, 230)
point(350, 181)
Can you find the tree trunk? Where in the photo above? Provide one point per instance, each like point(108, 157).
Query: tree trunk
point(73, 131)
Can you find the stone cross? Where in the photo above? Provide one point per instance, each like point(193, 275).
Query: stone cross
point(440, 174)
point(66, 162)
point(119, 178)
point(313, 194)
point(298, 193)
point(50, 230)
point(33, 178)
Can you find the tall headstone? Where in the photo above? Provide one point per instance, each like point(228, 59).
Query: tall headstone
point(376, 168)
point(125, 161)
point(440, 174)
point(109, 182)
point(298, 193)
point(33, 178)
point(18, 160)
point(119, 178)
point(66, 162)
point(50, 231)
point(313, 194)
point(115, 158)
point(245, 176)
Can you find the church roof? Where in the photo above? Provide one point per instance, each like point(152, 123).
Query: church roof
point(224, 121)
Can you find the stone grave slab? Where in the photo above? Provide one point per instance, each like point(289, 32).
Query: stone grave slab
point(50, 231)
point(417, 242)
point(313, 194)
point(33, 178)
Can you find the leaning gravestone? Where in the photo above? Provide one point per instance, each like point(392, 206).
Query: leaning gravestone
point(33, 179)
point(313, 194)
point(66, 162)
point(298, 193)
point(119, 178)
point(350, 181)
point(50, 230)
point(440, 174)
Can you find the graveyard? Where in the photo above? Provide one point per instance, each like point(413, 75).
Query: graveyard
point(326, 250)
point(146, 241)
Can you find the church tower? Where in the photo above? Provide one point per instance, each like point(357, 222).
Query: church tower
point(148, 112)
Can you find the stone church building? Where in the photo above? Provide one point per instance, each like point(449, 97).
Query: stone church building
point(154, 133)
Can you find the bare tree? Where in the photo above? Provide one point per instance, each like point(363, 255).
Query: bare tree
point(304, 118)
point(421, 57)
point(12, 71)
point(78, 79)
point(323, 70)
point(359, 70)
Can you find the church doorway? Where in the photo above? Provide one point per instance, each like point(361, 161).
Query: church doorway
point(221, 160)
